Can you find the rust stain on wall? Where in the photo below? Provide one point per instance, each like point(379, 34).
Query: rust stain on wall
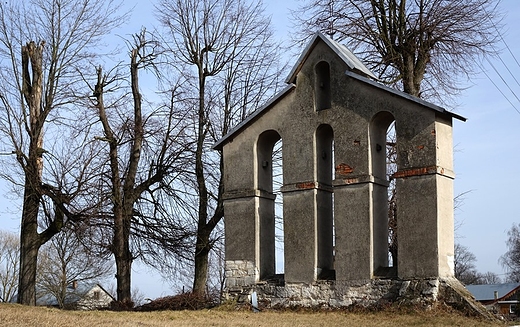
point(344, 169)
point(415, 172)
point(306, 185)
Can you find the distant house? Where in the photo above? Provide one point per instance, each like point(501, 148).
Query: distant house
point(80, 296)
point(501, 298)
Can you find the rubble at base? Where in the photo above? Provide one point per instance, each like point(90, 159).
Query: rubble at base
point(372, 294)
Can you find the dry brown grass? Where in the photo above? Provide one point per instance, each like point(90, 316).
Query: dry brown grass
point(17, 315)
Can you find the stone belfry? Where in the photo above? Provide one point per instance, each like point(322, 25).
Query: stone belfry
point(333, 119)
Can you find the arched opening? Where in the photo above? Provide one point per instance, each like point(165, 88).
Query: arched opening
point(278, 205)
point(391, 169)
point(325, 202)
point(267, 168)
point(322, 90)
point(383, 165)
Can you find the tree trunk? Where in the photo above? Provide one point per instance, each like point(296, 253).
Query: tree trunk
point(123, 258)
point(202, 249)
point(29, 246)
point(408, 77)
point(202, 245)
point(32, 76)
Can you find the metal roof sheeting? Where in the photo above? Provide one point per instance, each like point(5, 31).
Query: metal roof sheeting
point(487, 292)
point(348, 57)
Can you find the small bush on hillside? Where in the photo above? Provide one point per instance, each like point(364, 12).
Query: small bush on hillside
point(183, 301)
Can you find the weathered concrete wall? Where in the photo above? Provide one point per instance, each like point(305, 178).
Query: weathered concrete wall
point(356, 124)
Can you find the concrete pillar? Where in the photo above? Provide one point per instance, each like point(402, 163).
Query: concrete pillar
point(353, 222)
point(240, 245)
point(299, 212)
point(425, 226)
point(425, 200)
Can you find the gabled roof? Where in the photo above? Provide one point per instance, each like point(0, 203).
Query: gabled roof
point(348, 57)
point(253, 116)
point(487, 292)
point(357, 71)
point(405, 95)
point(73, 294)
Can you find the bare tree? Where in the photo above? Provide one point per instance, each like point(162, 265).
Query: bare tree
point(9, 264)
point(66, 260)
point(418, 46)
point(465, 269)
point(489, 278)
point(228, 45)
point(144, 151)
point(43, 43)
point(511, 259)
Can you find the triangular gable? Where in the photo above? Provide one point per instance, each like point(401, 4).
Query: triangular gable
point(249, 119)
point(357, 71)
point(348, 58)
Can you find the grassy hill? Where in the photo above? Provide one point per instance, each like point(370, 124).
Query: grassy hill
point(16, 315)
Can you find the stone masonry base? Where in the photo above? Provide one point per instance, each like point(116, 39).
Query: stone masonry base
point(377, 293)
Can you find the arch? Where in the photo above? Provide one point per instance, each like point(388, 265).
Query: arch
point(264, 159)
point(378, 134)
point(278, 208)
point(265, 239)
point(322, 88)
point(325, 201)
point(380, 145)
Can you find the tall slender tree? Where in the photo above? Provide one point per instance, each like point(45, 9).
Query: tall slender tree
point(229, 46)
point(144, 149)
point(43, 43)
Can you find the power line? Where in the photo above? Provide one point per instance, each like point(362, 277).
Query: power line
point(503, 63)
point(499, 89)
point(503, 80)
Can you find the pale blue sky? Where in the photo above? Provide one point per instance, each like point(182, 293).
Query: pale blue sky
point(487, 154)
point(487, 150)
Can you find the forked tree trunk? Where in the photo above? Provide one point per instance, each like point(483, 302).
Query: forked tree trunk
point(30, 241)
point(124, 194)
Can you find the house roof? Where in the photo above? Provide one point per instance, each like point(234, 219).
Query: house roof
point(357, 71)
point(487, 292)
point(72, 296)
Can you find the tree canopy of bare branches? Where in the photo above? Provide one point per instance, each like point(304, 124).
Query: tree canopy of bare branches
point(465, 269)
point(43, 44)
point(144, 150)
point(511, 259)
point(66, 259)
point(227, 52)
point(9, 264)
point(420, 47)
